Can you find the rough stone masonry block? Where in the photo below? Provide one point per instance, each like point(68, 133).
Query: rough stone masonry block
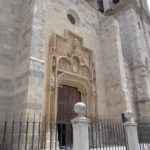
point(114, 81)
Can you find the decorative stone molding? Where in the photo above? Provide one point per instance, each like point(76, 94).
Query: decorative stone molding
point(69, 63)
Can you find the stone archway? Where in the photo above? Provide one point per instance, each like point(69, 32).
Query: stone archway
point(69, 63)
point(78, 82)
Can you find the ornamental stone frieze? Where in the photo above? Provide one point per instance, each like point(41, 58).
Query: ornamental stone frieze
point(71, 55)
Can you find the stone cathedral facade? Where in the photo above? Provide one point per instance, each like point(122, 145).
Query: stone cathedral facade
point(54, 53)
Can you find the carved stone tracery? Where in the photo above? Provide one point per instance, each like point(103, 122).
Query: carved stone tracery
point(72, 64)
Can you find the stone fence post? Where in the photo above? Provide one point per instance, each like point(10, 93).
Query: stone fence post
point(80, 128)
point(131, 131)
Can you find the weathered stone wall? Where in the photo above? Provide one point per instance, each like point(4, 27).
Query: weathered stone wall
point(26, 29)
point(22, 71)
point(134, 79)
point(51, 17)
point(145, 29)
point(135, 56)
point(9, 34)
point(116, 97)
point(15, 40)
point(120, 46)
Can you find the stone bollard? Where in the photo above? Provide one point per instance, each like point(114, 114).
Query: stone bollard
point(80, 128)
point(131, 132)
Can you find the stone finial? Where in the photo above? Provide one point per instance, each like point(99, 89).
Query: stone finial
point(130, 116)
point(80, 108)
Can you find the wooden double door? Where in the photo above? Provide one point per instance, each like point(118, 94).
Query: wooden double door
point(67, 97)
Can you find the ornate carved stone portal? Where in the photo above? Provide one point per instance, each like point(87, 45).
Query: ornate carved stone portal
point(69, 63)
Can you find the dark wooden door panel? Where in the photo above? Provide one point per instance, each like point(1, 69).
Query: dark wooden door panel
point(67, 97)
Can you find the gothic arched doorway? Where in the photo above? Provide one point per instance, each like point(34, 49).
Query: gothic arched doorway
point(70, 78)
point(69, 63)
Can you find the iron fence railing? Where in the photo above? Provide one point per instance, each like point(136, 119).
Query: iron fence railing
point(144, 136)
point(20, 135)
point(107, 135)
point(37, 135)
point(28, 135)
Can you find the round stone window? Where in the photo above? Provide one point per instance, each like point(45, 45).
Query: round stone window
point(71, 19)
point(72, 16)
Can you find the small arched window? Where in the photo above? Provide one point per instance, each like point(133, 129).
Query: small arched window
point(116, 1)
point(73, 17)
point(100, 4)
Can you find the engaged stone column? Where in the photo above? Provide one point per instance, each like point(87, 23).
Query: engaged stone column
point(131, 131)
point(80, 128)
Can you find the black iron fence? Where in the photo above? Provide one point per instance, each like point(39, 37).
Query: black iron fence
point(107, 135)
point(34, 135)
point(28, 135)
point(144, 136)
point(20, 135)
